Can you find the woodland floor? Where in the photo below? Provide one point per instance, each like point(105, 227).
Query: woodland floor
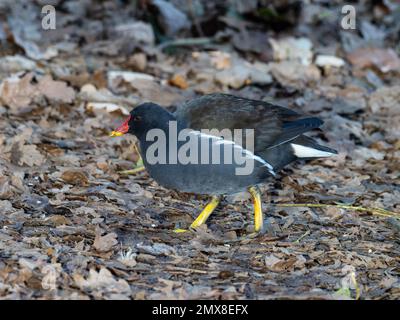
point(73, 227)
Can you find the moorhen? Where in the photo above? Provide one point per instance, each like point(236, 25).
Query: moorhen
point(277, 134)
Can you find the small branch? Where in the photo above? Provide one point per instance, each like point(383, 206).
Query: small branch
point(357, 288)
point(132, 171)
point(186, 42)
point(302, 236)
point(374, 211)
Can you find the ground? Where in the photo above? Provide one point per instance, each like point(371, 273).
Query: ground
point(73, 226)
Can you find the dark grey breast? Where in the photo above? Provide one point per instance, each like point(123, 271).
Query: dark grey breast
point(232, 174)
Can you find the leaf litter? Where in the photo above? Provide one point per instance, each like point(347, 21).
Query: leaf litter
point(73, 227)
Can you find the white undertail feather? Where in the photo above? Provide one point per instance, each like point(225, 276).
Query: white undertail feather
point(308, 152)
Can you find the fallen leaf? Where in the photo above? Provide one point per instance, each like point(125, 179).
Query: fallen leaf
point(384, 59)
point(295, 49)
point(26, 32)
point(234, 77)
point(220, 60)
point(114, 77)
point(5, 206)
point(75, 177)
point(294, 73)
point(271, 261)
point(5, 189)
point(138, 61)
point(102, 281)
point(26, 155)
point(18, 93)
point(157, 249)
point(58, 220)
point(128, 258)
point(108, 107)
point(171, 19)
point(179, 81)
point(329, 61)
point(385, 100)
point(106, 242)
point(137, 31)
point(16, 63)
point(51, 275)
point(56, 90)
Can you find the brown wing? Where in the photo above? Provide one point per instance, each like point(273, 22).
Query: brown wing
point(272, 124)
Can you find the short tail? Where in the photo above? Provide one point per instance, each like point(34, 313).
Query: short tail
point(306, 148)
point(302, 147)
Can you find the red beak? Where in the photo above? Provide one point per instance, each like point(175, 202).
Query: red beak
point(122, 129)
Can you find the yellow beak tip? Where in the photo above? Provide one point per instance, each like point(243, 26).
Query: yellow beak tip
point(116, 134)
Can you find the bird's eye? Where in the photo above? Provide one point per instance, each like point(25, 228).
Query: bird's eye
point(137, 118)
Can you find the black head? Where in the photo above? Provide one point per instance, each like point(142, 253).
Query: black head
point(143, 118)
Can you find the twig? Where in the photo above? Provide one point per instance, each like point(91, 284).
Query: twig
point(132, 171)
point(357, 288)
point(374, 211)
point(189, 270)
point(302, 236)
point(185, 42)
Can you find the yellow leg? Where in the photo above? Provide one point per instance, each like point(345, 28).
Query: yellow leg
point(258, 214)
point(203, 216)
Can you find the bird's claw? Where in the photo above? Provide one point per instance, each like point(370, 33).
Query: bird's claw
point(179, 230)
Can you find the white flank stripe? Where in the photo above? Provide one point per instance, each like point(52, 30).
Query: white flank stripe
point(224, 142)
point(220, 140)
point(307, 152)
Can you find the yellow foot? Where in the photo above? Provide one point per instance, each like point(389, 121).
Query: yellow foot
point(203, 216)
point(258, 214)
point(139, 165)
point(178, 230)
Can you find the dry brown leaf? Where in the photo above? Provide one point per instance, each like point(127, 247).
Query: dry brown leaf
point(5, 189)
point(56, 90)
point(179, 81)
point(52, 273)
point(384, 59)
point(18, 93)
point(234, 77)
point(220, 60)
point(26, 155)
point(385, 100)
point(271, 261)
point(106, 242)
point(6, 206)
point(299, 49)
point(58, 220)
point(138, 61)
point(95, 107)
point(75, 177)
point(102, 281)
point(292, 73)
point(275, 264)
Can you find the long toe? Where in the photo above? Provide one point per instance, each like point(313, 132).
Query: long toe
point(133, 171)
point(179, 230)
